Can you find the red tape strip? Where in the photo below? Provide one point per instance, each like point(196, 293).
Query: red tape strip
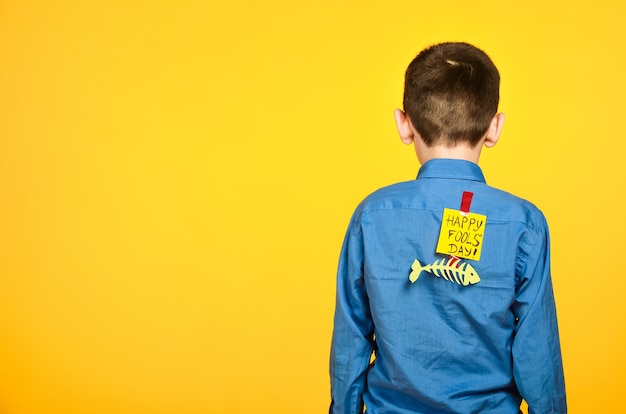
point(466, 201)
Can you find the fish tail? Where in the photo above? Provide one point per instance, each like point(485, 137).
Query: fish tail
point(417, 270)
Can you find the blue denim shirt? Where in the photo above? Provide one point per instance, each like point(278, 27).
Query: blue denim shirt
point(441, 346)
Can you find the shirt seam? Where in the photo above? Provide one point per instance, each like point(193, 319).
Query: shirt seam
point(369, 210)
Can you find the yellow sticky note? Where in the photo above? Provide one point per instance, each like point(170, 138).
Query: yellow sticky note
point(461, 234)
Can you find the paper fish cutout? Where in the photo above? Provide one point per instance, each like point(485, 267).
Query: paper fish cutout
point(452, 269)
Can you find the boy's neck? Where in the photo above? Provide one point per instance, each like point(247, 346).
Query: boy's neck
point(459, 152)
point(462, 151)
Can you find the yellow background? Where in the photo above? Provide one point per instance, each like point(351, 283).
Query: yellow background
point(176, 178)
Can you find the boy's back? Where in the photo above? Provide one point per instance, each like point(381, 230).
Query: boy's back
point(467, 334)
point(442, 346)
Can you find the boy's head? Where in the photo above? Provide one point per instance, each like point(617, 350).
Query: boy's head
point(451, 94)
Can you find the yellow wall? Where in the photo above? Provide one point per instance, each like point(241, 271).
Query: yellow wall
point(176, 178)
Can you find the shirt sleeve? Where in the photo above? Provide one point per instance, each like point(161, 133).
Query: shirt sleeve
point(352, 340)
point(537, 362)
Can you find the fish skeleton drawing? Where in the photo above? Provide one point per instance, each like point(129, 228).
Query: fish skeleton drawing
point(451, 269)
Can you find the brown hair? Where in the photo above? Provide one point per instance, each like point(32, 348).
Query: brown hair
point(451, 94)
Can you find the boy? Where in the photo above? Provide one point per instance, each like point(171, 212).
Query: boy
point(443, 281)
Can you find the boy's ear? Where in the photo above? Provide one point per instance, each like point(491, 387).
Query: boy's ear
point(493, 133)
point(405, 128)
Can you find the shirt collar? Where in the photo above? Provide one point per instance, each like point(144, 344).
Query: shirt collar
point(450, 168)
